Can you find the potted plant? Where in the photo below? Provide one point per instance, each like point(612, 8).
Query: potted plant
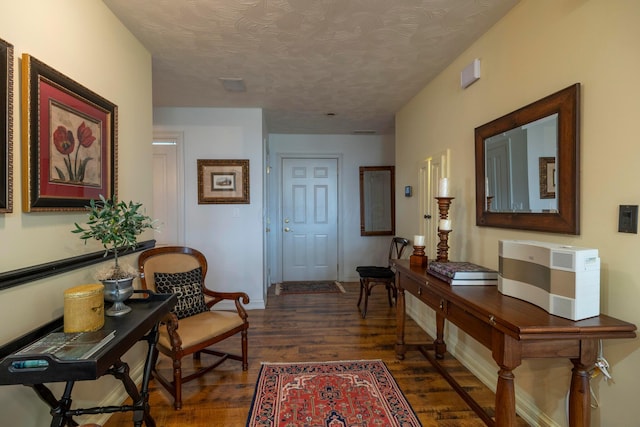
point(117, 226)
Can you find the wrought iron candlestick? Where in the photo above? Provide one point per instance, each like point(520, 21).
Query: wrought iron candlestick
point(444, 203)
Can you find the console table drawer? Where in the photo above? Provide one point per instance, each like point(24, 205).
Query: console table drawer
point(424, 294)
point(472, 325)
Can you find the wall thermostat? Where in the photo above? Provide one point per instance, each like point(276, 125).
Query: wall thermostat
point(407, 191)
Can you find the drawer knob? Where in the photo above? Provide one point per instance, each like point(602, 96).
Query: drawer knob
point(441, 304)
point(419, 291)
point(492, 319)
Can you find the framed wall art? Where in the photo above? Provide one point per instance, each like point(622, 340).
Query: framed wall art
point(547, 177)
point(6, 127)
point(69, 141)
point(223, 181)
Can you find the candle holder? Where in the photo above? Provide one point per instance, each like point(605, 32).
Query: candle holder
point(444, 203)
point(443, 246)
point(418, 258)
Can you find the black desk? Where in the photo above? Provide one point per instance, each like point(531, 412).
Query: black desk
point(139, 324)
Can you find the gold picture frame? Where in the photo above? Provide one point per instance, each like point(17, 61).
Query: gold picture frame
point(547, 177)
point(223, 181)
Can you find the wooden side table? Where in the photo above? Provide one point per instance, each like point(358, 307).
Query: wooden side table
point(141, 324)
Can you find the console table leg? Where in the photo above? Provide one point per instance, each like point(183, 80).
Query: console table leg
point(152, 355)
point(439, 345)
point(506, 353)
point(120, 370)
point(579, 397)
point(579, 393)
point(59, 412)
point(400, 308)
point(505, 399)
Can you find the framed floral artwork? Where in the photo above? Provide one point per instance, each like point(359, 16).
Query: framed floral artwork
point(69, 141)
point(223, 181)
point(6, 127)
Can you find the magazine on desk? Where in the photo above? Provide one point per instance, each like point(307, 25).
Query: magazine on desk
point(69, 346)
point(462, 270)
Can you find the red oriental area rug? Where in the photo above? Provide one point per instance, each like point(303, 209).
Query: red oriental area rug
point(329, 394)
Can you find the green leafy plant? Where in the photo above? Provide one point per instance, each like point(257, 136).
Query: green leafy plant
point(117, 226)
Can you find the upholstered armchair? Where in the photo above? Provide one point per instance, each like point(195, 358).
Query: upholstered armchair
point(192, 327)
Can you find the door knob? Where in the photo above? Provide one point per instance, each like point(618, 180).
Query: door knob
point(287, 229)
point(286, 220)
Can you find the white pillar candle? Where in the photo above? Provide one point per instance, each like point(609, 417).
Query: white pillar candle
point(445, 224)
point(443, 187)
point(418, 240)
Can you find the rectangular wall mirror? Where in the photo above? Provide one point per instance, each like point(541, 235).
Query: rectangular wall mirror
point(377, 201)
point(527, 166)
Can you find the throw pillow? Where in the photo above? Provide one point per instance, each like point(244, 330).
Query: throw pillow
point(187, 286)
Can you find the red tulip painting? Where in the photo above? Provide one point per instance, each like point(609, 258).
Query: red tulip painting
point(75, 152)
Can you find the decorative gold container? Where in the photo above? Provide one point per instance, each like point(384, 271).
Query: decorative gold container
point(84, 308)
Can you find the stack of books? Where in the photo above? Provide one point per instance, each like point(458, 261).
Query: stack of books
point(463, 273)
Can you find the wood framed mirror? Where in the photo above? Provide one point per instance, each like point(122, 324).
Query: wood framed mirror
point(527, 174)
point(377, 201)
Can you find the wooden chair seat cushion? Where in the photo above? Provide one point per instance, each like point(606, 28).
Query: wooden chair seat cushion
point(202, 327)
point(373, 272)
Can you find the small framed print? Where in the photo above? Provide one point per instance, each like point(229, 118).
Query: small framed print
point(547, 177)
point(223, 181)
point(69, 141)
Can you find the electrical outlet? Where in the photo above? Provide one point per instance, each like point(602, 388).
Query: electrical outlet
point(628, 219)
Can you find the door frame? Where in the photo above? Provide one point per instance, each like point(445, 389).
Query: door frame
point(277, 169)
point(178, 138)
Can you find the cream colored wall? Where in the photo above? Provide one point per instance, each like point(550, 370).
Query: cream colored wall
point(540, 47)
point(84, 41)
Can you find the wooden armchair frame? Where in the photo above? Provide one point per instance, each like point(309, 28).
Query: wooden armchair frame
point(194, 334)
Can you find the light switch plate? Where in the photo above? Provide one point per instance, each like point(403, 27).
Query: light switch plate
point(407, 191)
point(628, 219)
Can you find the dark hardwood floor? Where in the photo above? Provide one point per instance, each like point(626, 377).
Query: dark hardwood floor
point(318, 327)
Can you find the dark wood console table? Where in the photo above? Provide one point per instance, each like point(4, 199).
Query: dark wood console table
point(513, 330)
point(141, 323)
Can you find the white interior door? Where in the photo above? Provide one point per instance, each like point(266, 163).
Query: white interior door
point(309, 219)
point(167, 196)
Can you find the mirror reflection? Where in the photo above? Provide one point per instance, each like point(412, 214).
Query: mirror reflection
point(520, 168)
point(377, 200)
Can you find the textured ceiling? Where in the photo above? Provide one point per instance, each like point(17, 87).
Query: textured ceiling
point(301, 59)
